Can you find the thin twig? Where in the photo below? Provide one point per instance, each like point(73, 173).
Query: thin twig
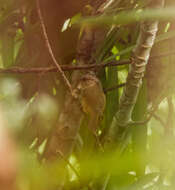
point(159, 119)
point(21, 70)
point(106, 90)
point(151, 114)
point(72, 167)
point(149, 117)
point(69, 164)
point(63, 77)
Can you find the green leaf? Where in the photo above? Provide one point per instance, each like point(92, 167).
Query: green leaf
point(139, 133)
point(127, 17)
point(7, 49)
point(112, 98)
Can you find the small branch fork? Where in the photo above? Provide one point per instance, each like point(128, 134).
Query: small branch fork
point(63, 77)
point(150, 114)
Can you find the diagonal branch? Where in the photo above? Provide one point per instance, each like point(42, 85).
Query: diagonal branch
point(63, 136)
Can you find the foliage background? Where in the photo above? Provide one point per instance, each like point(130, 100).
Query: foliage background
point(32, 102)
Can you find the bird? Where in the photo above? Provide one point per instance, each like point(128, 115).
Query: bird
point(92, 100)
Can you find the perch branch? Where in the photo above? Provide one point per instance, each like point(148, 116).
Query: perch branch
point(21, 70)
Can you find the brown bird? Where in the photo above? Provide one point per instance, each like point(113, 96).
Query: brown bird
point(92, 99)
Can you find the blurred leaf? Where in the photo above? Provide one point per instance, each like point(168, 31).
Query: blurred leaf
point(139, 133)
point(131, 16)
point(146, 180)
point(112, 98)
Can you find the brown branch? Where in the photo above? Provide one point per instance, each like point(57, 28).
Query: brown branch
point(159, 119)
point(72, 168)
point(150, 114)
point(70, 165)
point(147, 120)
point(20, 70)
point(114, 87)
point(63, 77)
